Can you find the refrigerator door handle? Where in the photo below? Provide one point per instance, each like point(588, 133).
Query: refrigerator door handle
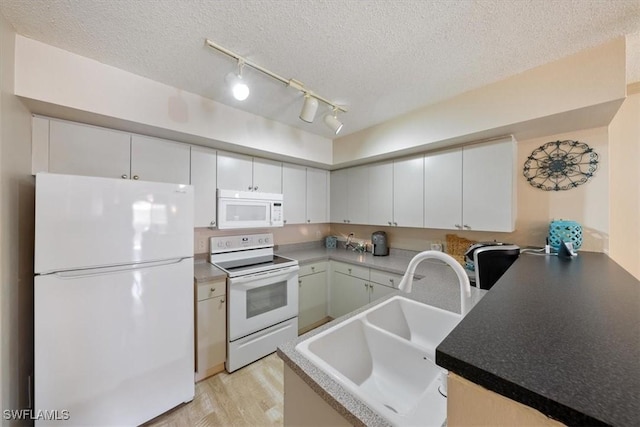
point(88, 272)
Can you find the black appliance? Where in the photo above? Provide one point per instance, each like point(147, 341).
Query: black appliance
point(379, 242)
point(490, 261)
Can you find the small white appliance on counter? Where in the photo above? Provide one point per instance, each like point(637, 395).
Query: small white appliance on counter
point(249, 209)
point(114, 299)
point(262, 295)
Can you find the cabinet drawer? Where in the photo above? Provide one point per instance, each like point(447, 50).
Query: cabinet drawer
point(351, 270)
point(208, 290)
point(385, 278)
point(316, 267)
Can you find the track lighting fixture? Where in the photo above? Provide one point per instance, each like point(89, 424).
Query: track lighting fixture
point(310, 106)
point(237, 84)
point(332, 121)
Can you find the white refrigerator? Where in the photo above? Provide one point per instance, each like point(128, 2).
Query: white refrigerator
point(114, 300)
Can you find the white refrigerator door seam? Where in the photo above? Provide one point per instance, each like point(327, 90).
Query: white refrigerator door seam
point(87, 272)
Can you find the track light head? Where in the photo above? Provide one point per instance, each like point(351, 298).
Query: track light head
point(236, 83)
point(332, 121)
point(309, 108)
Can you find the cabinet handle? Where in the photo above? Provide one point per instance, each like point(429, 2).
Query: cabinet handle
point(136, 177)
point(284, 222)
point(299, 283)
point(395, 224)
point(348, 221)
point(308, 220)
point(124, 176)
point(366, 286)
point(391, 280)
point(389, 222)
point(221, 300)
point(467, 227)
point(344, 220)
point(349, 271)
point(371, 287)
point(313, 268)
point(255, 188)
point(212, 290)
point(249, 188)
point(458, 226)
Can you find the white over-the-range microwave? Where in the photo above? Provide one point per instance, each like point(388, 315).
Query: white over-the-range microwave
point(249, 209)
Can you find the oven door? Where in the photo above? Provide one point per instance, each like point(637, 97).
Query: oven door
point(257, 301)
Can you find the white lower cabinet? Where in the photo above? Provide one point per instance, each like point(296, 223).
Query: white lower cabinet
point(352, 287)
point(312, 295)
point(211, 328)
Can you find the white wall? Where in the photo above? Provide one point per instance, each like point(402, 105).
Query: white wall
point(624, 202)
point(557, 97)
point(54, 76)
point(16, 234)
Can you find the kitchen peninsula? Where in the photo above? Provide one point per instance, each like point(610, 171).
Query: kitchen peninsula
point(559, 336)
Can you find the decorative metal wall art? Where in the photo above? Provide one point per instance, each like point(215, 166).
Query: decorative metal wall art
point(560, 165)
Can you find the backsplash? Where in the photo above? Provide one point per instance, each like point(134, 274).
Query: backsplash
point(296, 233)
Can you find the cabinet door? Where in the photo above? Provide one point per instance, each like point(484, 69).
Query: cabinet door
point(212, 340)
point(347, 294)
point(294, 193)
point(443, 189)
point(317, 195)
point(77, 149)
point(235, 171)
point(358, 195)
point(203, 179)
point(312, 299)
point(159, 160)
point(267, 176)
point(338, 195)
point(377, 291)
point(381, 194)
point(408, 192)
point(489, 186)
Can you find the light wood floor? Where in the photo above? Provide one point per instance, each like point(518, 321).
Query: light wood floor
point(251, 396)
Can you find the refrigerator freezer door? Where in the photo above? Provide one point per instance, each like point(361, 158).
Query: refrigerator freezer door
point(115, 348)
point(86, 222)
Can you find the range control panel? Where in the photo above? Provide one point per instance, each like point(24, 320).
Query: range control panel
point(240, 242)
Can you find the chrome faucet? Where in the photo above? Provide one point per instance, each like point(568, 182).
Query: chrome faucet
point(465, 288)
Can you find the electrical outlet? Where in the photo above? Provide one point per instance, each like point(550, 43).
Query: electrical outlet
point(318, 234)
point(202, 244)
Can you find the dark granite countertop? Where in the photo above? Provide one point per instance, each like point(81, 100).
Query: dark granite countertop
point(561, 336)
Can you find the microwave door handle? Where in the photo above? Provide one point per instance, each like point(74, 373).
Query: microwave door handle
point(259, 276)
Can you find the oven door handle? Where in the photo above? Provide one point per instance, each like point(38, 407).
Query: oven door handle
point(264, 275)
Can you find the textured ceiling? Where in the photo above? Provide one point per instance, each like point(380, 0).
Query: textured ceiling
point(379, 58)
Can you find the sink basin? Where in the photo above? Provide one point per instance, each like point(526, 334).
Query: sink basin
point(385, 357)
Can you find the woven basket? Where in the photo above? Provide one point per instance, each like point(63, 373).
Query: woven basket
point(457, 246)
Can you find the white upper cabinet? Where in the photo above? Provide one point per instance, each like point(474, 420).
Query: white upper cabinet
point(471, 188)
point(489, 187)
point(267, 176)
point(339, 196)
point(294, 193)
point(203, 179)
point(78, 149)
point(443, 189)
point(380, 197)
point(408, 192)
point(358, 195)
point(245, 173)
point(317, 196)
point(235, 171)
point(159, 160)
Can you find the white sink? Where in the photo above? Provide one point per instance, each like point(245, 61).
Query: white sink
point(385, 357)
